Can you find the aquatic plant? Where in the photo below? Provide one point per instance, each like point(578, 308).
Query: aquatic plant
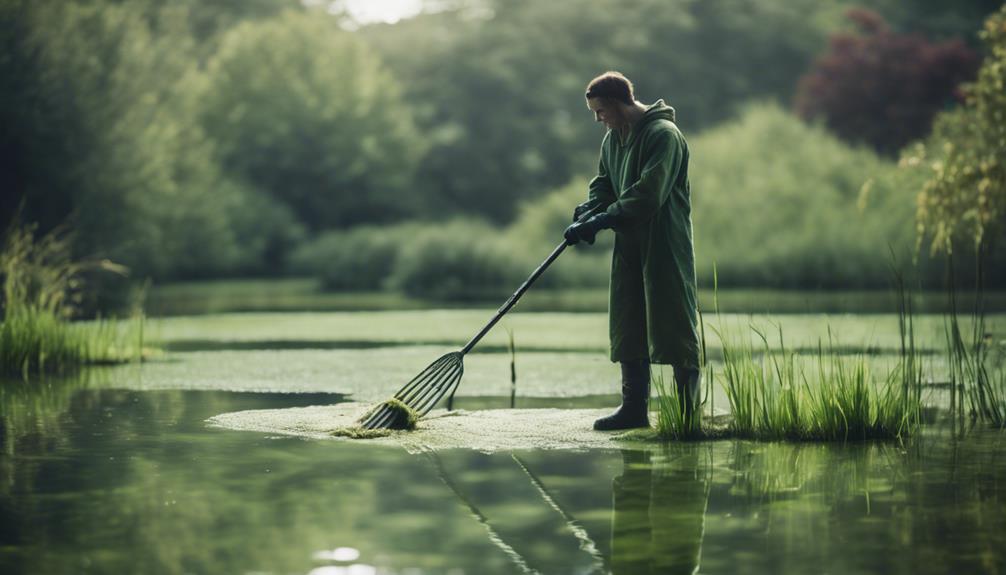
point(404, 417)
point(773, 397)
point(40, 286)
point(977, 390)
point(671, 422)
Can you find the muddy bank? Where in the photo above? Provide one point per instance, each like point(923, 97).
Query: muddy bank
point(485, 430)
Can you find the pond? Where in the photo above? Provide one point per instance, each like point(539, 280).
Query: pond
point(116, 470)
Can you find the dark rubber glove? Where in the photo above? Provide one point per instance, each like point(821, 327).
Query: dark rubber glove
point(587, 231)
point(583, 208)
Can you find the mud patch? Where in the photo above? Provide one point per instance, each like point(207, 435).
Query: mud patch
point(487, 431)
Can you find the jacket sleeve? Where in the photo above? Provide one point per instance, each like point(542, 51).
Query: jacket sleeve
point(663, 154)
point(600, 191)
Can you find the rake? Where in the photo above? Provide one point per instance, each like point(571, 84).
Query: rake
point(442, 377)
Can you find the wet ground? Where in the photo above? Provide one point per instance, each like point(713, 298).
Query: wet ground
point(120, 471)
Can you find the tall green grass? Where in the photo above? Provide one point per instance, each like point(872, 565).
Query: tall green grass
point(775, 394)
point(826, 397)
point(40, 286)
point(977, 378)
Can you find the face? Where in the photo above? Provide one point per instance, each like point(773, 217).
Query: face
point(606, 112)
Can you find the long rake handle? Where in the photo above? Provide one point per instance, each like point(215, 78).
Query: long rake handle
point(523, 287)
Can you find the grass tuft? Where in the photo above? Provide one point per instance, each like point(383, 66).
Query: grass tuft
point(40, 287)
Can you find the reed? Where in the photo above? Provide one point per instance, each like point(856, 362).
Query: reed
point(40, 287)
point(978, 385)
point(775, 394)
point(826, 398)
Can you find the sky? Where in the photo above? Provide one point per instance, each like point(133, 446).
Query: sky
point(389, 11)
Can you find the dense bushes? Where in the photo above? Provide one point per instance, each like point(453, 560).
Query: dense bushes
point(776, 203)
point(455, 260)
point(458, 260)
point(358, 259)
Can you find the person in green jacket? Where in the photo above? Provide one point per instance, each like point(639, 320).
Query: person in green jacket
point(641, 192)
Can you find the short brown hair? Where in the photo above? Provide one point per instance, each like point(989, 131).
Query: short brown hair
point(611, 85)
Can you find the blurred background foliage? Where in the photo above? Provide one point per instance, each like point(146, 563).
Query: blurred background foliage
point(441, 155)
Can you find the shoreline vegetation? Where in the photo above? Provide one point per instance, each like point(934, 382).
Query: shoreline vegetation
point(775, 395)
point(297, 294)
point(41, 286)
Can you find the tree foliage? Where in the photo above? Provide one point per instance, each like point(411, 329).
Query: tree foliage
point(307, 113)
point(103, 131)
point(500, 90)
point(881, 87)
point(211, 137)
point(965, 196)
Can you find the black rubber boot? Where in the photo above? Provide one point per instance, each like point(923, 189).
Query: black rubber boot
point(635, 395)
point(688, 381)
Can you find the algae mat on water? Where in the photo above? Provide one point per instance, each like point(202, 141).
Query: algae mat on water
point(487, 431)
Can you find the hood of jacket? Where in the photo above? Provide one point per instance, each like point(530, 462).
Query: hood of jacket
point(655, 111)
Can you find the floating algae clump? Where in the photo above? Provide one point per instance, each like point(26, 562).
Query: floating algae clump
point(404, 418)
point(357, 432)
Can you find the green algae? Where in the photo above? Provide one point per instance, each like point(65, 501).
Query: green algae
point(404, 418)
point(486, 431)
point(357, 432)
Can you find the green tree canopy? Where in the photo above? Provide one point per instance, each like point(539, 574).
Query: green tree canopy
point(965, 197)
point(102, 117)
point(306, 112)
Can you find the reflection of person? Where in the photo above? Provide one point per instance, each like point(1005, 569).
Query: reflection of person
point(642, 186)
point(658, 516)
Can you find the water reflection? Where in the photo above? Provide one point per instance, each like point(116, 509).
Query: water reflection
point(658, 518)
point(97, 480)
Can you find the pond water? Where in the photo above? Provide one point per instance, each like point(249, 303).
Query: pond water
point(123, 481)
point(117, 471)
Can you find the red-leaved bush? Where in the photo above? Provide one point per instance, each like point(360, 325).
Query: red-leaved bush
point(880, 87)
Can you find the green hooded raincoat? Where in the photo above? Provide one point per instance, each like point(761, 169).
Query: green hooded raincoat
point(643, 181)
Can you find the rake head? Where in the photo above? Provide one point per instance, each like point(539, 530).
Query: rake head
point(421, 394)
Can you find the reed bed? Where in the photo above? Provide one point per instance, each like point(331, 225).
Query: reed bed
point(40, 287)
point(775, 394)
point(977, 372)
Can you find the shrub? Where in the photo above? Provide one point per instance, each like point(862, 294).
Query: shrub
point(361, 258)
point(880, 87)
point(458, 260)
point(964, 199)
point(776, 203)
point(538, 230)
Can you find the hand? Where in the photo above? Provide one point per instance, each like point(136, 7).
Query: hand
point(587, 231)
point(583, 208)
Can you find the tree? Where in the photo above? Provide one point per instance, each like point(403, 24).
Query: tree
point(304, 111)
point(880, 87)
point(500, 90)
point(965, 197)
point(103, 134)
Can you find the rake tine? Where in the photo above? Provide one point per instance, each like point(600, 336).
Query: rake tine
point(383, 415)
point(438, 392)
point(415, 381)
point(372, 419)
point(443, 375)
point(386, 415)
point(422, 386)
point(421, 402)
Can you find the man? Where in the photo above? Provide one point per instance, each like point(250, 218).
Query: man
point(641, 192)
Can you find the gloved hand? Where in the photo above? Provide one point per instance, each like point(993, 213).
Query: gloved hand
point(583, 208)
point(587, 231)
